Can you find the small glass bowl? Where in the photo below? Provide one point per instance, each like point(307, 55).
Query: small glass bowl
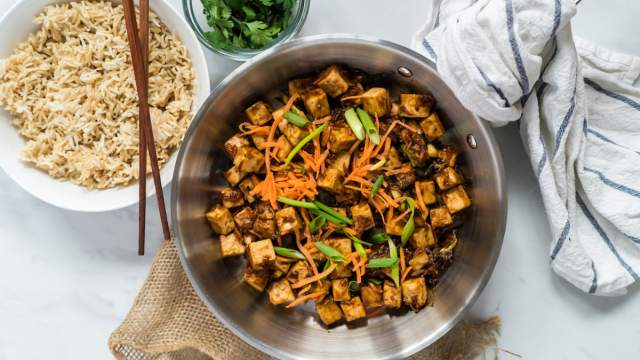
point(196, 19)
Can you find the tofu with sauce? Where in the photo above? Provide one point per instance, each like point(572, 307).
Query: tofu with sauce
point(428, 190)
point(261, 254)
point(353, 309)
point(231, 244)
point(333, 81)
point(231, 198)
point(448, 178)
point(440, 217)
point(293, 133)
point(415, 105)
point(432, 127)
point(221, 220)
point(259, 113)
point(234, 143)
point(341, 138)
point(391, 295)
point(362, 217)
point(259, 140)
point(316, 103)
point(257, 279)
point(281, 267)
point(298, 271)
point(265, 224)
point(341, 162)
point(419, 260)
point(288, 220)
point(299, 86)
point(328, 311)
point(456, 199)
point(343, 245)
point(423, 237)
point(248, 159)
point(331, 180)
point(376, 101)
point(280, 292)
point(245, 218)
point(448, 155)
point(247, 185)
point(414, 293)
point(395, 226)
point(340, 289)
point(371, 295)
point(283, 150)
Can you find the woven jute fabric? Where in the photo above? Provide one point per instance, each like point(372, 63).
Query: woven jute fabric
point(169, 321)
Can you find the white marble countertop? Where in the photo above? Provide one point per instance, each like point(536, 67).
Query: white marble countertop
point(67, 279)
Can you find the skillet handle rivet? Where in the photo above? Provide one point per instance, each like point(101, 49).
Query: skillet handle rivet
point(404, 71)
point(471, 140)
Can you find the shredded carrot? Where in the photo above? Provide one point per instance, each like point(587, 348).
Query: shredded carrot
point(353, 97)
point(304, 299)
point(305, 290)
point(399, 217)
point(354, 147)
point(357, 269)
point(256, 130)
point(322, 120)
point(405, 273)
point(421, 205)
point(389, 214)
point(326, 134)
point(363, 264)
point(402, 264)
point(311, 279)
point(400, 170)
point(306, 253)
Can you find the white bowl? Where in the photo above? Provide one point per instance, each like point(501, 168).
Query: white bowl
point(15, 26)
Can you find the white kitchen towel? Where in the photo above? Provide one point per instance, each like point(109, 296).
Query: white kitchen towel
point(579, 112)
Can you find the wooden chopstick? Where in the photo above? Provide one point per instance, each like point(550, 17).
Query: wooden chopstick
point(142, 145)
point(145, 120)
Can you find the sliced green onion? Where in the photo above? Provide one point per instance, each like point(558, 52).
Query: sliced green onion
point(328, 217)
point(360, 250)
point(289, 253)
point(376, 185)
point(410, 226)
point(382, 263)
point(332, 212)
point(326, 265)
point(333, 254)
point(354, 123)
point(356, 240)
point(317, 223)
point(296, 119)
point(375, 281)
point(369, 127)
point(395, 269)
point(297, 203)
point(353, 286)
point(304, 142)
point(378, 165)
point(379, 237)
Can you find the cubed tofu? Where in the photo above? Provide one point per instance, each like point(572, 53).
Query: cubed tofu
point(280, 267)
point(362, 217)
point(448, 178)
point(259, 140)
point(248, 238)
point(393, 160)
point(415, 105)
point(440, 217)
point(353, 309)
point(261, 254)
point(419, 260)
point(299, 86)
point(283, 149)
point(376, 101)
point(328, 311)
point(323, 286)
point(392, 296)
point(371, 295)
point(395, 226)
point(340, 289)
point(343, 245)
point(432, 127)
point(341, 162)
point(331, 180)
point(456, 199)
point(414, 293)
point(423, 238)
point(298, 271)
point(247, 185)
point(245, 218)
point(341, 138)
point(259, 113)
point(231, 198)
point(288, 220)
point(448, 156)
point(316, 103)
point(231, 244)
point(265, 224)
point(333, 81)
point(234, 143)
point(293, 133)
point(248, 159)
point(280, 292)
point(234, 175)
point(257, 279)
point(221, 220)
point(428, 190)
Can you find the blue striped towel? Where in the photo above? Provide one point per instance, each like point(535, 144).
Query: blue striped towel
point(579, 112)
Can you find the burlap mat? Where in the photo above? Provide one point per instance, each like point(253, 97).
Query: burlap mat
point(169, 321)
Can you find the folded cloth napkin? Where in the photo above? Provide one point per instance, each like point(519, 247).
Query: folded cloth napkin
point(579, 112)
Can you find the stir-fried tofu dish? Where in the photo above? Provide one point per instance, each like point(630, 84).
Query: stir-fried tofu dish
point(342, 195)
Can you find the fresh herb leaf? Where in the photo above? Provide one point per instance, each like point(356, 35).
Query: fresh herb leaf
point(382, 262)
point(379, 237)
point(410, 226)
point(317, 223)
point(395, 269)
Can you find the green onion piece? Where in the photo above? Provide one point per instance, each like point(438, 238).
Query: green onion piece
point(378, 165)
point(353, 286)
point(376, 185)
point(332, 212)
point(317, 223)
point(410, 226)
point(297, 203)
point(303, 142)
point(382, 263)
point(379, 237)
point(369, 127)
point(333, 254)
point(289, 253)
point(360, 250)
point(296, 119)
point(356, 240)
point(395, 269)
point(354, 123)
point(375, 281)
point(326, 265)
point(328, 217)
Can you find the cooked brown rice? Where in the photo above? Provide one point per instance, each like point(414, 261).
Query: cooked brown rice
point(71, 91)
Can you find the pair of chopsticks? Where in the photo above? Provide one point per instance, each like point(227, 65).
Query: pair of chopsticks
point(139, 46)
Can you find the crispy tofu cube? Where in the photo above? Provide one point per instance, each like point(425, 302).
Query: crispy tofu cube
point(328, 311)
point(316, 103)
point(234, 175)
point(376, 101)
point(248, 238)
point(392, 297)
point(414, 293)
point(284, 148)
point(234, 143)
point(362, 217)
point(393, 160)
point(231, 198)
point(245, 218)
point(247, 185)
point(280, 292)
point(259, 140)
point(448, 155)
point(423, 238)
point(299, 271)
point(341, 138)
point(456, 199)
point(331, 180)
point(231, 245)
point(353, 309)
point(248, 159)
point(288, 220)
point(371, 295)
point(265, 224)
point(340, 289)
point(261, 254)
point(343, 245)
point(432, 127)
point(341, 162)
point(440, 217)
point(298, 86)
point(415, 105)
point(259, 113)
point(428, 190)
point(280, 267)
point(333, 81)
point(395, 226)
point(419, 260)
point(448, 178)
point(221, 220)
point(323, 286)
point(293, 133)
point(257, 279)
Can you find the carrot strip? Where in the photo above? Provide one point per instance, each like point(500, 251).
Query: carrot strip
point(405, 273)
point(397, 218)
point(311, 279)
point(305, 290)
point(353, 97)
point(421, 205)
point(306, 253)
point(354, 147)
point(304, 299)
point(400, 170)
point(402, 259)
